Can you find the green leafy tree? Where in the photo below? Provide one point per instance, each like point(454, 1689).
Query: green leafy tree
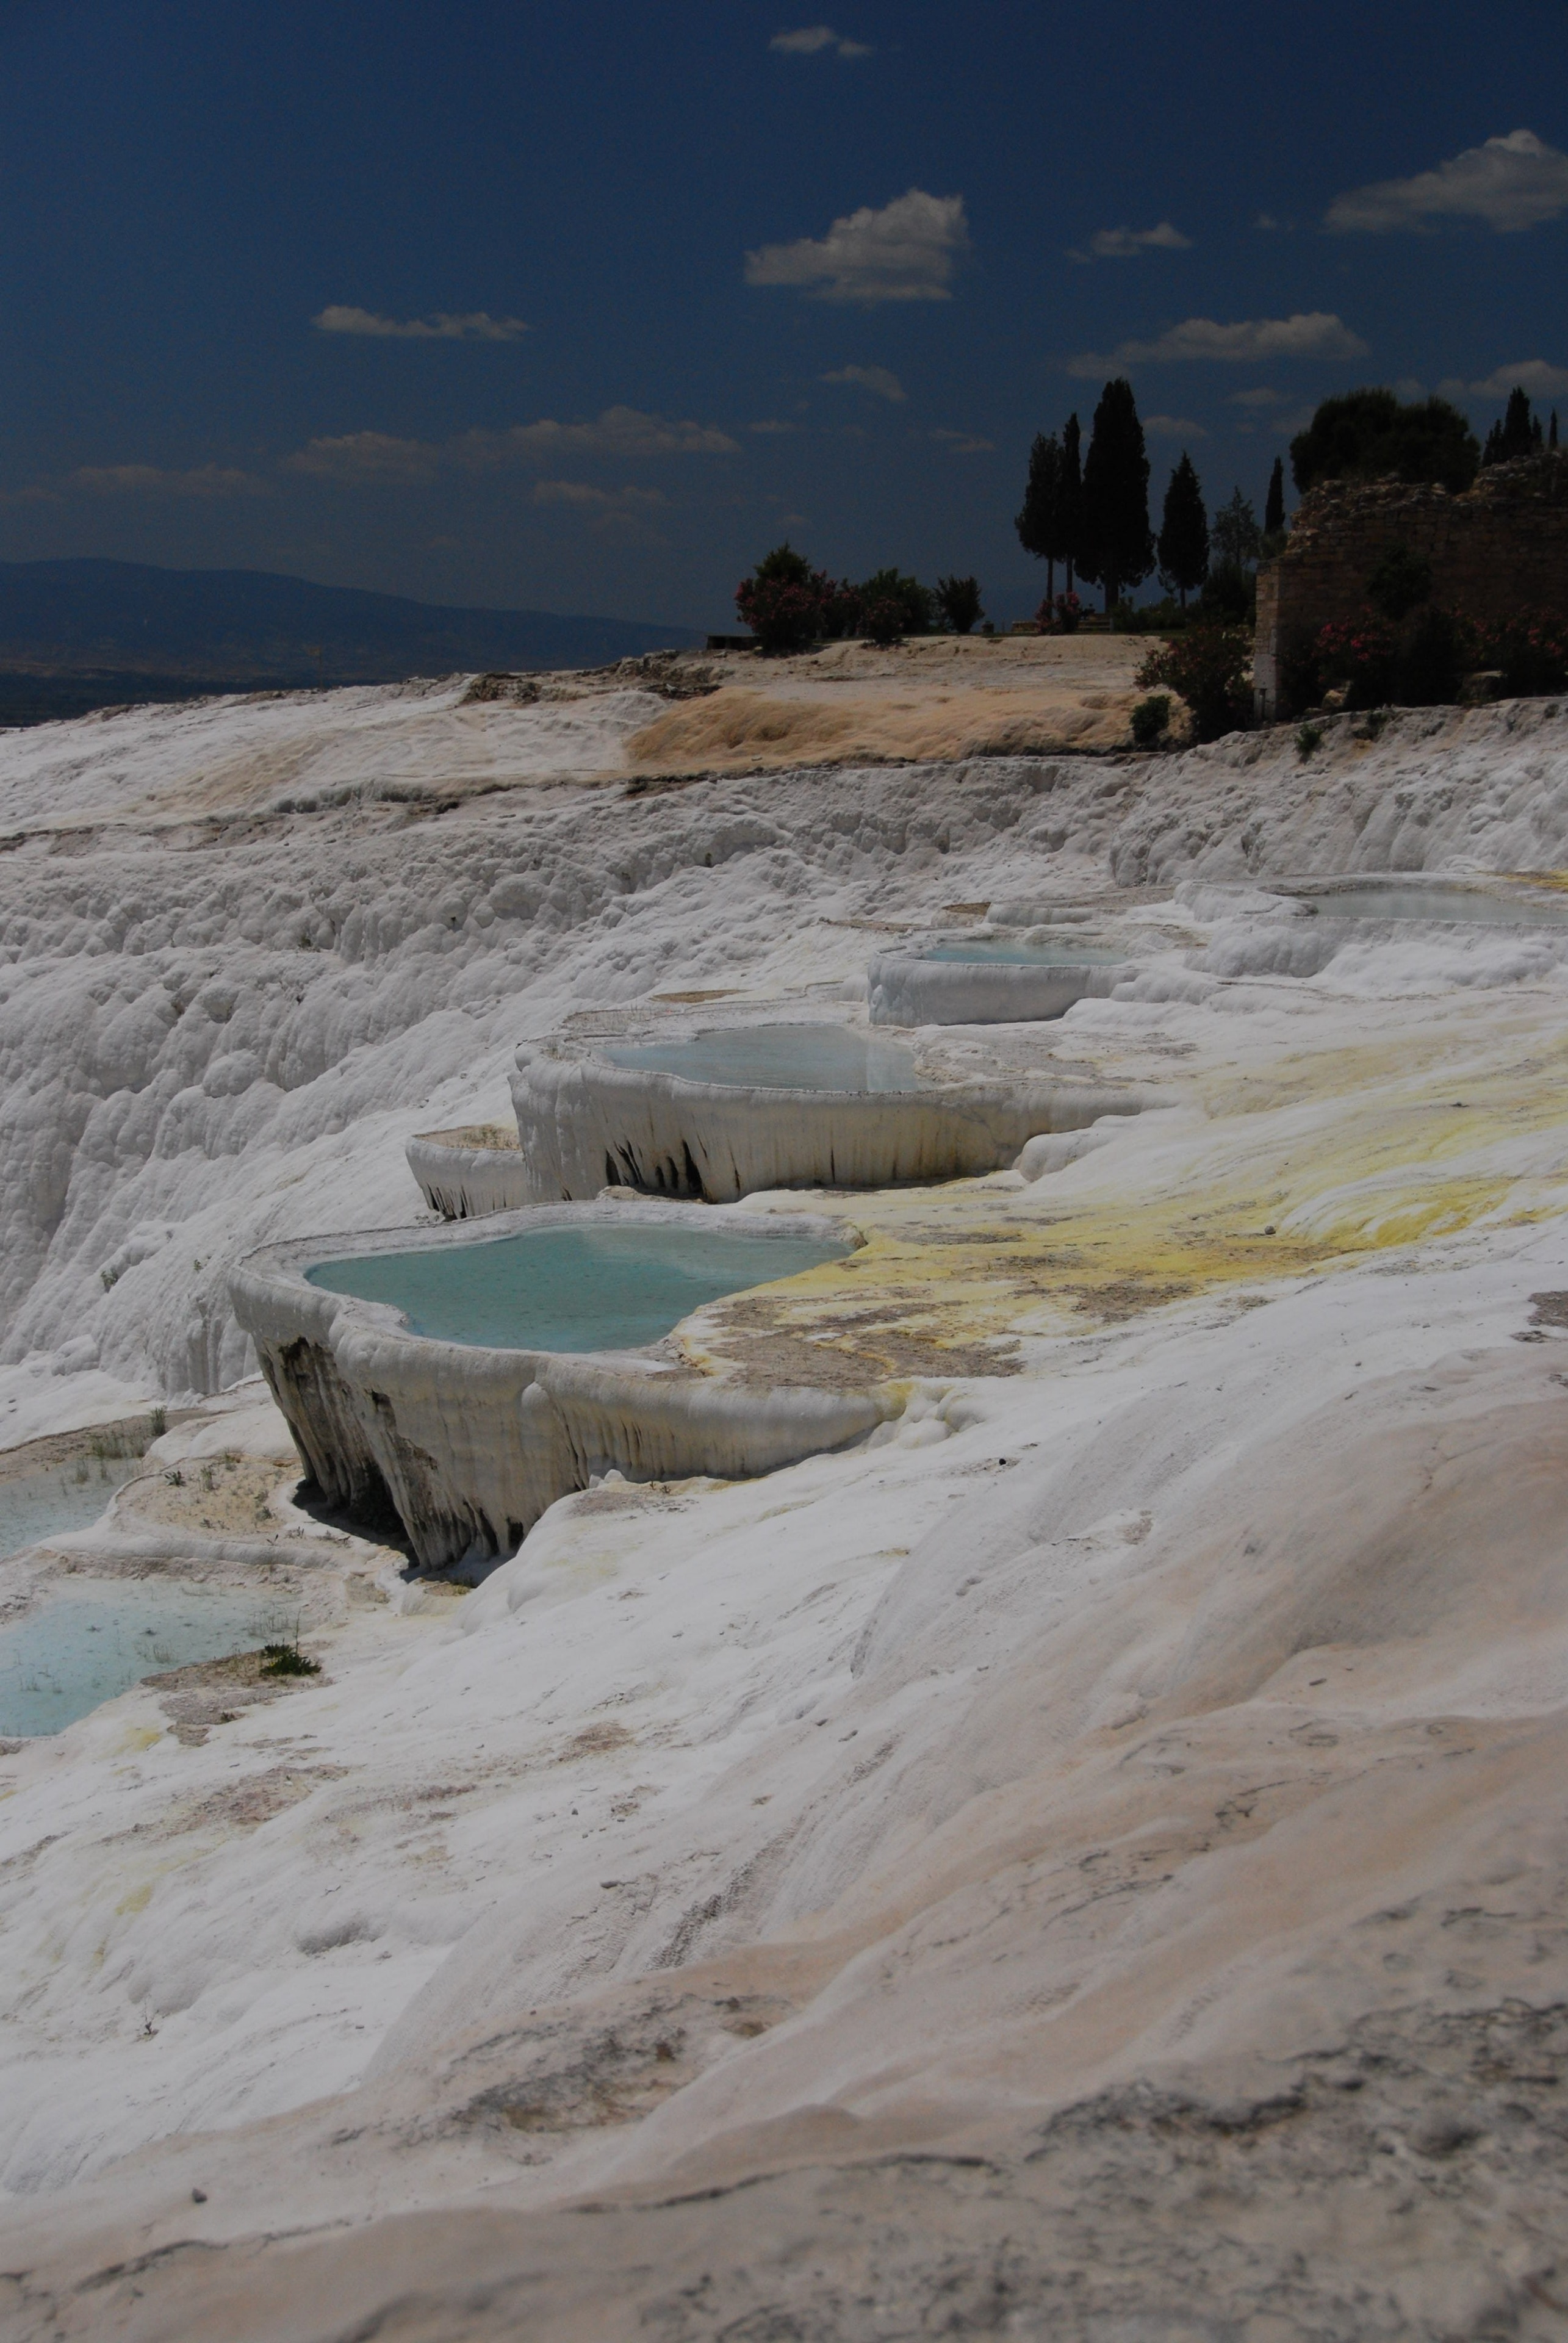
point(1115, 543)
point(1551, 434)
point(1184, 532)
point(1039, 524)
point(1274, 502)
point(1234, 532)
point(1367, 434)
point(1070, 507)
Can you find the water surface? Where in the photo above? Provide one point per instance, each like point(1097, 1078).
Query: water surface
point(1467, 905)
point(92, 1643)
point(57, 1497)
point(570, 1288)
point(1059, 953)
point(779, 1057)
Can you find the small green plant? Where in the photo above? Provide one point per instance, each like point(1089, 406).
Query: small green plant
point(176, 1479)
point(286, 1660)
point(1151, 721)
point(159, 1421)
point(1308, 740)
point(109, 1278)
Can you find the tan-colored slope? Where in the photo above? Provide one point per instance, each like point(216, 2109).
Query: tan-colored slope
point(947, 698)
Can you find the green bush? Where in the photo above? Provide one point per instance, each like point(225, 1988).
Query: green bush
point(1530, 648)
point(1151, 721)
point(1357, 656)
point(1402, 579)
point(915, 604)
point(958, 599)
point(1308, 740)
point(1211, 668)
point(882, 620)
point(1429, 666)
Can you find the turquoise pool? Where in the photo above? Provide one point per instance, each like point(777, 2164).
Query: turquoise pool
point(1465, 905)
point(68, 1497)
point(570, 1288)
point(1061, 953)
point(780, 1058)
point(79, 1649)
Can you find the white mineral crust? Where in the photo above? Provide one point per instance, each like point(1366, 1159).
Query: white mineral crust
point(1115, 1790)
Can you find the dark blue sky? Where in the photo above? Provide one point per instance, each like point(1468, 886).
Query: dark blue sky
point(189, 188)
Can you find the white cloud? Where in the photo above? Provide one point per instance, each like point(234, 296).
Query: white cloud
point(770, 428)
point(1173, 427)
point(472, 326)
point(1314, 334)
point(965, 443)
point(1127, 243)
point(374, 458)
point(619, 431)
point(205, 480)
point(810, 40)
point(1269, 225)
point(1510, 183)
point(367, 458)
point(873, 378)
point(1533, 375)
point(905, 252)
point(1259, 397)
point(603, 507)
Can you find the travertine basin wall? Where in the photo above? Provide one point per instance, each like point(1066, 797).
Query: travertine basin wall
point(467, 1173)
point(584, 1124)
point(907, 991)
point(470, 1445)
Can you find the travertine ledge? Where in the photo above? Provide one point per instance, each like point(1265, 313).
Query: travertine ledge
point(905, 990)
point(584, 1124)
point(470, 1445)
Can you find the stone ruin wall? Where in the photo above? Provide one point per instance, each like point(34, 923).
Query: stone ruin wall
point(1500, 545)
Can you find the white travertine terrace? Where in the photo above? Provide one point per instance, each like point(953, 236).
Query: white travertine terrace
point(471, 1445)
point(469, 1171)
point(904, 989)
point(584, 1123)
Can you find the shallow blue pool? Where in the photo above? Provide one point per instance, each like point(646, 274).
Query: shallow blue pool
point(1468, 906)
point(67, 1496)
point(570, 1288)
point(90, 1645)
point(780, 1058)
point(1062, 953)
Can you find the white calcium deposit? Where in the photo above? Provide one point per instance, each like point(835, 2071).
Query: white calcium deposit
point(1091, 1851)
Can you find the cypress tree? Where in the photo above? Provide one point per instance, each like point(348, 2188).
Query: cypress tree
point(1274, 504)
point(1039, 525)
point(1517, 435)
point(1184, 531)
point(1551, 434)
point(1116, 547)
point(1071, 506)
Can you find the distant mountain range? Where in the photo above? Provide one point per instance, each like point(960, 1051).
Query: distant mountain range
point(81, 633)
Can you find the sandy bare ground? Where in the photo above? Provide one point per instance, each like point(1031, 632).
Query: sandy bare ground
point(945, 696)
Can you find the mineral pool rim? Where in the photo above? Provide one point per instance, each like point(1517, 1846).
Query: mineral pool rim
point(577, 1288)
point(1011, 951)
point(1456, 904)
point(804, 1056)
